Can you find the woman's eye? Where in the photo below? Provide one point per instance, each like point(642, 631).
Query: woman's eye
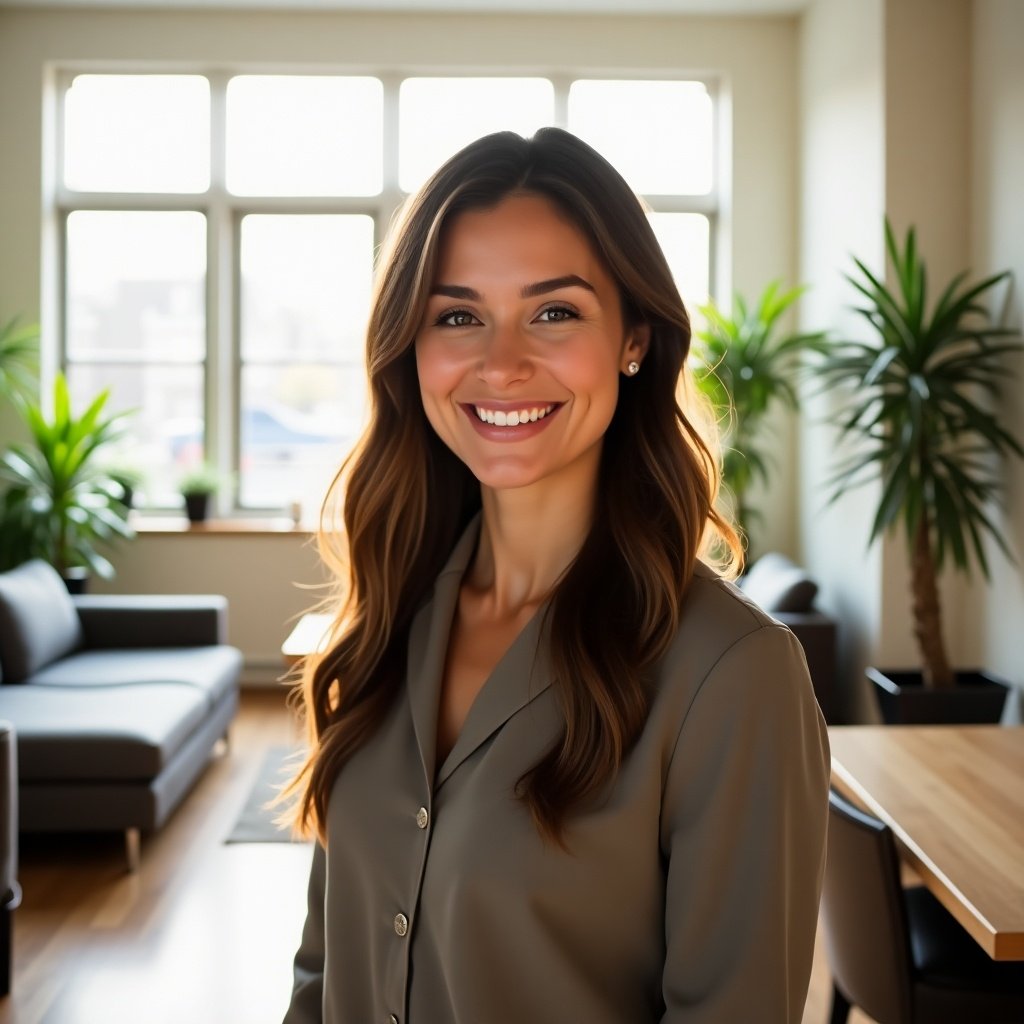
point(456, 318)
point(557, 315)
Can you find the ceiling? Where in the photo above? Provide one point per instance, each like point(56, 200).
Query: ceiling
point(719, 7)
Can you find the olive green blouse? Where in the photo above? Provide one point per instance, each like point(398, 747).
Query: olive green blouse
point(689, 895)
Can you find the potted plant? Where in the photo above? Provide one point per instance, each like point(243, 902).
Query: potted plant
point(197, 486)
point(130, 477)
point(919, 409)
point(744, 366)
point(60, 504)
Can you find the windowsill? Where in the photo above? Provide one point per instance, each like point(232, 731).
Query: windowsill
point(249, 527)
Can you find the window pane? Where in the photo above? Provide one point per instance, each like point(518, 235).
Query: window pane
point(304, 135)
point(657, 134)
point(135, 285)
point(438, 116)
point(298, 423)
point(137, 133)
point(165, 433)
point(306, 283)
point(685, 241)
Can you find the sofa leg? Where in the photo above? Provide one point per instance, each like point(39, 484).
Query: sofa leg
point(132, 839)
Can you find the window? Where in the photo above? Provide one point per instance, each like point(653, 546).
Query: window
point(218, 235)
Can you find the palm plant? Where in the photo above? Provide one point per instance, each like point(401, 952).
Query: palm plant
point(18, 358)
point(59, 503)
point(919, 401)
point(743, 367)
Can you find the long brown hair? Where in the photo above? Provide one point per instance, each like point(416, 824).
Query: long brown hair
point(406, 498)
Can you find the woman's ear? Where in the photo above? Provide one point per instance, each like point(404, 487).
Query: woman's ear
point(638, 340)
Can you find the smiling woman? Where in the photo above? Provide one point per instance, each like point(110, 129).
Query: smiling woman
point(549, 742)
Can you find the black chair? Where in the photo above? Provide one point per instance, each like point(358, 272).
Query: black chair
point(897, 953)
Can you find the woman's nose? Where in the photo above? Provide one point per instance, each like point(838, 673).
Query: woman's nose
point(505, 358)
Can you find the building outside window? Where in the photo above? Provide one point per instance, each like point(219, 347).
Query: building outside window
point(218, 234)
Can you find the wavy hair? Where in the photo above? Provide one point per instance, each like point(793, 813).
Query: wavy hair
point(405, 498)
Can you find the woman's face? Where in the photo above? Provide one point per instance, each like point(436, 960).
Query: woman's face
point(522, 344)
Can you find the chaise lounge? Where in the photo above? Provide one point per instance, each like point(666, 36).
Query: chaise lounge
point(117, 701)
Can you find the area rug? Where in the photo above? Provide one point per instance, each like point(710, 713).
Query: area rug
point(256, 822)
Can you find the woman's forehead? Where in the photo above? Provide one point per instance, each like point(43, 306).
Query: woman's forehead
point(522, 234)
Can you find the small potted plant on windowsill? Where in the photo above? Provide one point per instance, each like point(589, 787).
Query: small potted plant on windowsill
point(197, 487)
point(921, 407)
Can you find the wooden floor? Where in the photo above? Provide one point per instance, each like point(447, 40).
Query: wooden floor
point(204, 933)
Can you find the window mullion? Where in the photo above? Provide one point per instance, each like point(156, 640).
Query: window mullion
point(221, 376)
point(391, 196)
point(561, 84)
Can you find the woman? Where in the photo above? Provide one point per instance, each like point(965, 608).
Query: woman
point(562, 770)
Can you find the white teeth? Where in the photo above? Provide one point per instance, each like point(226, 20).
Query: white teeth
point(500, 418)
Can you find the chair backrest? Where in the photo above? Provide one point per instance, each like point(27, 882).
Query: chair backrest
point(865, 919)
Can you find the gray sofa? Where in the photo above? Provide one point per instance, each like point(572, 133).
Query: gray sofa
point(787, 593)
point(117, 701)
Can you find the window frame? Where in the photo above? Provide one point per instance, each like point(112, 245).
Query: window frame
point(221, 365)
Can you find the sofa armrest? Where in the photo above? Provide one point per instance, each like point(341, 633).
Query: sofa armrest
point(141, 620)
point(817, 634)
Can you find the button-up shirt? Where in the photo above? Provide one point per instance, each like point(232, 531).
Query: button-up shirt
point(689, 893)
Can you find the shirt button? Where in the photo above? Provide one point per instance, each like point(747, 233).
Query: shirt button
point(422, 817)
point(401, 924)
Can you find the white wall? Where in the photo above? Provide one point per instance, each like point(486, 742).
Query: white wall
point(994, 615)
point(927, 184)
point(756, 58)
point(842, 197)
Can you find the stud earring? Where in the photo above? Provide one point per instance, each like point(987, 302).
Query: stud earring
point(633, 367)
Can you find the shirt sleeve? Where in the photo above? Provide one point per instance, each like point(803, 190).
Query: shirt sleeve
point(743, 829)
point(306, 1005)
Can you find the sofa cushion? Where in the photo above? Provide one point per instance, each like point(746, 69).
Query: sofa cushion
point(777, 585)
point(100, 733)
point(210, 670)
point(38, 621)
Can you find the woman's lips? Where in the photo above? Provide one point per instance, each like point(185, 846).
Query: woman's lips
point(507, 422)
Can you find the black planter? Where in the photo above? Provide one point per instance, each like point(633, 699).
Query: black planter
point(976, 699)
point(76, 579)
point(196, 507)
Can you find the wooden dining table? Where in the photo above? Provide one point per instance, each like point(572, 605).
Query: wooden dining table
point(954, 799)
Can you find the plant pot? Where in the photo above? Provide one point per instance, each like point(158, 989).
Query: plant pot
point(976, 699)
point(197, 506)
point(76, 579)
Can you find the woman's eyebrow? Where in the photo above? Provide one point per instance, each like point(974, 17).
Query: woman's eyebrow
point(529, 291)
point(456, 291)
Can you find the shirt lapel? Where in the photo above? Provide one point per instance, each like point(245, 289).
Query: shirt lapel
point(522, 674)
point(428, 646)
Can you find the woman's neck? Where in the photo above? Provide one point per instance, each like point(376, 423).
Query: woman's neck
point(529, 536)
